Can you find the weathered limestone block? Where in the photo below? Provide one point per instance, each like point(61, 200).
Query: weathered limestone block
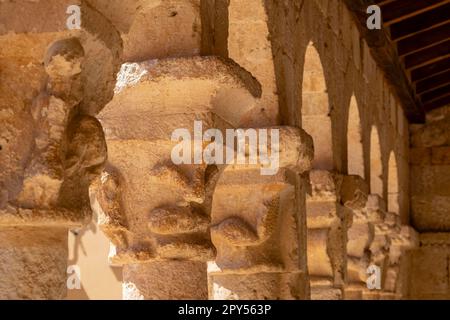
point(326, 235)
point(162, 280)
point(174, 26)
point(433, 134)
point(49, 154)
point(33, 262)
point(354, 191)
point(361, 239)
point(103, 48)
point(430, 197)
point(437, 114)
point(429, 178)
point(402, 243)
point(420, 156)
point(256, 227)
point(239, 30)
point(249, 45)
point(29, 28)
point(50, 149)
point(157, 211)
point(34, 16)
point(319, 262)
point(428, 274)
point(376, 237)
point(176, 30)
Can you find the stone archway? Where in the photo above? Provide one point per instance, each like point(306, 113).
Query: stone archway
point(376, 165)
point(324, 233)
point(355, 155)
point(315, 110)
point(393, 185)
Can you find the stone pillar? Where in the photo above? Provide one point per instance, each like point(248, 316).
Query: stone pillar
point(152, 210)
point(326, 223)
point(360, 235)
point(257, 226)
point(376, 238)
point(154, 207)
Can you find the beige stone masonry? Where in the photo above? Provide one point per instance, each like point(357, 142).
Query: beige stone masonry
point(51, 146)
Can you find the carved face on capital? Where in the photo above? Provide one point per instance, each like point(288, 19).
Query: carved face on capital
point(156, 209)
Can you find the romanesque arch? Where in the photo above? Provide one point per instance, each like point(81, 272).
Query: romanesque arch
point(376, 165)
point(393, 185)
point(355, 156)
point(193, 229)
point(324, 236)
point(315, 110)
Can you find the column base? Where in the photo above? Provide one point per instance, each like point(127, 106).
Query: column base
point(33, 263)
point(259, 286)
point(165, 280)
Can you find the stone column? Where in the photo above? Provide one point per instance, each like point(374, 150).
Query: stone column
point(163, 243)
point(153, 207)
point(376, 238)
point(326, 223)
point(360, 235)
point(257, 226)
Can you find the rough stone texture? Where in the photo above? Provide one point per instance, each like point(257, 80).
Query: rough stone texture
point(348, 231)
point(325, 221)
point(353, 173)
point(51, 146)
point(175, 280)
point(257, 242)
point(430, 167)
point(154, 29)
point(33, 263)
point(176, 226)
point(429, 275)
point(430, 206)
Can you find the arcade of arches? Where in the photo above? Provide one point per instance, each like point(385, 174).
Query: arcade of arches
point(86, 177)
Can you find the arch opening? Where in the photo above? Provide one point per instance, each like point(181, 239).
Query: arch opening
point(316, 111)
point(355, 154)
point(376, 166)
point(393, 185)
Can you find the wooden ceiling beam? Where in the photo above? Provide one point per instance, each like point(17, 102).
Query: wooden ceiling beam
point(424, 39)
point(423, 21)
point(396, 11)
point(430, 70)
point(433, 82)
point(435, 94)
point(437, 103)
point(385, 54)
point(428, 55)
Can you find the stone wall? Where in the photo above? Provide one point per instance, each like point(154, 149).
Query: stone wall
point(430, 168)
point(430, 205)
point(298, 66)
point(429, 273)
